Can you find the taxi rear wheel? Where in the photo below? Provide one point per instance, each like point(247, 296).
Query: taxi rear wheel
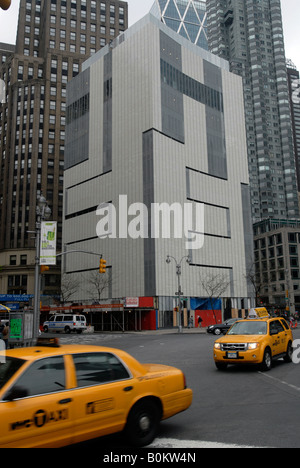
point(142, 424)
point(289, 354)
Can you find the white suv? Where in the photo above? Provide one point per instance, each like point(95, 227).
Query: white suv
point(65, 323)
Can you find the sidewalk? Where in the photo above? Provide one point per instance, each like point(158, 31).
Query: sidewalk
point(173, 331)
point(160, 331)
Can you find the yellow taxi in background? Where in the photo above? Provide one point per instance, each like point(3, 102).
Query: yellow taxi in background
point(54, 396)
point(257, 340)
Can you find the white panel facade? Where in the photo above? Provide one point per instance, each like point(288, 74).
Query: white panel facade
point(149, 164)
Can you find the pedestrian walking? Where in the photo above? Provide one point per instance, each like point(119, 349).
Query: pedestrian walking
point(5, 333)
point(191, 322)
point(200, 320)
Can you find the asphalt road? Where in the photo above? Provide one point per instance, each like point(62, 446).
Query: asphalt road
point(240, 406)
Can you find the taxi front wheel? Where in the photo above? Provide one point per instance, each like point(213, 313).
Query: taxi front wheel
point(221, 366)
point(266, 364)
point(143, 422)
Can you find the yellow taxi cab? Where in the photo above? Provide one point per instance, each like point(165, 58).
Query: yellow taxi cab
point(257, 340)
point(53, 396)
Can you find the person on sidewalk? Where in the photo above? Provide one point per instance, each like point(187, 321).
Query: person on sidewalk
point(5, 333)
point(200, 320)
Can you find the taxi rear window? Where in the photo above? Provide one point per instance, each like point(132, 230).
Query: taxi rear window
point(98, 368)
point(8, 368)
point(285, 324)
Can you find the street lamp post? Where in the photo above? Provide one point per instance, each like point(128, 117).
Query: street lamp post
point(43, 212)
point(179, 293)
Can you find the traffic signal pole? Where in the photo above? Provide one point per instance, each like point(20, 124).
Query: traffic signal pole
point(102, 264)
point(179, 293)
point(79, 251)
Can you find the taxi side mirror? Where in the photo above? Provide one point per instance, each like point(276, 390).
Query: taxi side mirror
point(15, 393)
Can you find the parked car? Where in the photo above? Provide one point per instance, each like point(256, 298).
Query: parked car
point(65, 323)
point(54, 396)
point(222, 327)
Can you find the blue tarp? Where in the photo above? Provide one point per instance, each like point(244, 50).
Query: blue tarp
point(200, 303)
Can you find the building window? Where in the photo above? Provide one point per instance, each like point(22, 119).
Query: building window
point(23, 260)
point(190, 87)
point(292, 237)
point(78, 108)
point(13, 260)
point(17, 284)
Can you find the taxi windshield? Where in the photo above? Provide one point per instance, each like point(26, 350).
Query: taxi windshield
point(248, 328)
point(8, 367)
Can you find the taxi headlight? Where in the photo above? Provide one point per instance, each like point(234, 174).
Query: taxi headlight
point(253, 345)
point(217, 345)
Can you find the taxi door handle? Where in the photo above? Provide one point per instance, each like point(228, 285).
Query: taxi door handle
point(128, 389)
point(65, 401)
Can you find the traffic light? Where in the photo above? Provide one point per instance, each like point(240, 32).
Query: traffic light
point(102, 266)
point(44, 268)
point(5, 4)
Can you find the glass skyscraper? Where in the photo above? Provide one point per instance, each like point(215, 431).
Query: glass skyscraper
point(294, 82)
point(249, 34)
point(186, 17)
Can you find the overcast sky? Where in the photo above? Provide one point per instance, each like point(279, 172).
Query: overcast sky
point(139, 8)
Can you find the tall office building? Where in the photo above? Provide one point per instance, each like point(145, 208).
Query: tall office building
point(54, 37)
point(294, 90)
point(162, 136)
point(249, 34)
point(186, 17)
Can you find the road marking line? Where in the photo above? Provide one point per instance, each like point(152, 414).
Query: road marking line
point(189, 444)
point(280, 381)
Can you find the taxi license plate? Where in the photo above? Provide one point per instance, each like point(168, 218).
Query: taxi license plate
point(232, 355)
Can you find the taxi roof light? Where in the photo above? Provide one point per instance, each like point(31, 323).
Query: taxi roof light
point(259, 312)
point(48, 342)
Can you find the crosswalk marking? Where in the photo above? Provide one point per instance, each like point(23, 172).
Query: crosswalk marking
point(192, 444)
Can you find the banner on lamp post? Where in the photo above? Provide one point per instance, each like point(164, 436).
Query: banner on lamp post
point(48, 243)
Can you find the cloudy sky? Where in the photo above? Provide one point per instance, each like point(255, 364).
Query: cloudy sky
point(139, 8)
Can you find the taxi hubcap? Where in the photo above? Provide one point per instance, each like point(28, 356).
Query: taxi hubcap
point(144, 423)
point(268, 360)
